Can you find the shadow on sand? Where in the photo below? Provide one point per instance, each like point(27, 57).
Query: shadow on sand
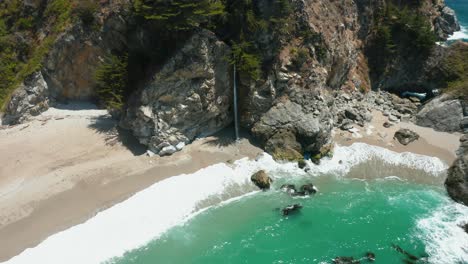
point(226, 137)
point(114, 134)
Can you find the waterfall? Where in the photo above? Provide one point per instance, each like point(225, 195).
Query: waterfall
point(236, 123)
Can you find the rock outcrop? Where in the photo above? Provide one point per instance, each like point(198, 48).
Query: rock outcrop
point(443, 113)
point(30, 99)
point(446, 23)
point(189, 97)
point(457, 177)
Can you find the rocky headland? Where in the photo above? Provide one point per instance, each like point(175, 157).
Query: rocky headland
point(309, 74)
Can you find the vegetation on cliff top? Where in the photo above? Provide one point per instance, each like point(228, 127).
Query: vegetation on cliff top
point(399, 31)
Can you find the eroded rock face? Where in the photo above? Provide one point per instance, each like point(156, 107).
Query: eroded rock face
point(30, 99)
point(457, 177)
point(189, 97)
point(442, 113)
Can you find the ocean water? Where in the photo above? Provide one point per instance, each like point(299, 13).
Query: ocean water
point(369, 198)
point(347, 218)
point(461, 9)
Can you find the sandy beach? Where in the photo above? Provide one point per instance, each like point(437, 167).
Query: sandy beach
point(67, 165)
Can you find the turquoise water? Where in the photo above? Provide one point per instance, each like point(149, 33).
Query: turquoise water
point(348, 217)
point(461, 9)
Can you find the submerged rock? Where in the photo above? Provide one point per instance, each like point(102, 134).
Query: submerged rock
point(301, 164)
point(346, 260)
point(370, 256)
point(288, 188)
point(308, 189)
point(457, 176)
point(261, 180)
point(406, 136)
point(290, 209)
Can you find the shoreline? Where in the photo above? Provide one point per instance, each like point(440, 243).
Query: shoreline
point(111, 182)
point(51, 192)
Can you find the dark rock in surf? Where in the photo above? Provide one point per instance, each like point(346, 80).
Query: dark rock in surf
point(288, 188)
point(308, 189)
point(370, 256)
point(290, 209)
point(346, 260)
point(302, 164)
point(261, 180)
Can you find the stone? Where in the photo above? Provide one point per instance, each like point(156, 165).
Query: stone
point(301, 164)
point(150, 153)
point(348, 125)
point(442, 114)
point(393, 118)
point(406, 136)
point(370, 256)
point(352, 114)
point(345, 260)
point(169, 150)
point(288, 188)
point(290, 209)
point(387, 124)
point(308, 189)
point(261, 180)
point(180, 146)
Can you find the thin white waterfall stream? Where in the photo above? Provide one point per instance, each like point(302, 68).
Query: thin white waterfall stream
point(236, 123)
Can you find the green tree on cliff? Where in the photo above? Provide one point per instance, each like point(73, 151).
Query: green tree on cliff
point(179, 14)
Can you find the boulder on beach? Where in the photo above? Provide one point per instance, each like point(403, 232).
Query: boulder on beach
point(406, 136)
point(291, 209)
point(261, 180)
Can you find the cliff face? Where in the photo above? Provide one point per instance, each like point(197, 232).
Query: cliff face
point(324, 47)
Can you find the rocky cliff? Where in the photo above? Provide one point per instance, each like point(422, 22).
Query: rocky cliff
point(457, 180)
point(179, 83)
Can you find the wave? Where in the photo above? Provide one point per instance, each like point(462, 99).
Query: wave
point(462, 34)
point(446, 242)
point(151, 212)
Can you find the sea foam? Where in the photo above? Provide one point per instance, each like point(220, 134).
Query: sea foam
point(149, 213)
point(462, 34)
point(446, 242)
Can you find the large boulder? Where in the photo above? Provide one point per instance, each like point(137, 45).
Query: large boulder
point(291, 128)
point(443, 113)
point(30, 99)
point(261, 180)
point(406, 136)
point(189, 97)
point(457, 178)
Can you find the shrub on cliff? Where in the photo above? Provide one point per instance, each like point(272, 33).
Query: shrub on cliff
point(111, 81)
point(179, 14)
